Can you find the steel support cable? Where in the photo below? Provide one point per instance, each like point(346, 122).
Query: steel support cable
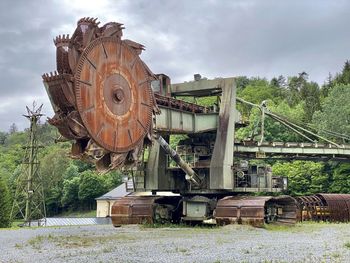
point(286, 121)
point(333, 133)
point(303, 129)
point(295, 130)
point(310, 126)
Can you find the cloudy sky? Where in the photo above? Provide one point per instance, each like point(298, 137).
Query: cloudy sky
point(182, 37)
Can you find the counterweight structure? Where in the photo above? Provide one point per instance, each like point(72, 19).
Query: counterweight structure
point(29, 201)
point(110, 104)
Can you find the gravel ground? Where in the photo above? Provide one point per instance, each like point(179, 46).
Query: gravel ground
point(103, 243)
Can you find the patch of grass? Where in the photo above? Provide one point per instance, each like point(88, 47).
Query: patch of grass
point(277, 227)
point(182, 250)
point(347, 245)
point(18, 246)
point(17, 223)
point(36, 242)
point(107, 249)
point(298, 227)
point(162, 225)
point(335, 255)
point(72, 241)
point(178, 225)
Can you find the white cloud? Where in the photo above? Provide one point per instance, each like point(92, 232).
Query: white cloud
point(213, 38)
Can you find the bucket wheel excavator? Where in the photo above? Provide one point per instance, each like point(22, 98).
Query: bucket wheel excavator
point(119, 115)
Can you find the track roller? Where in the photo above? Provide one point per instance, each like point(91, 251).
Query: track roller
point(256, 210)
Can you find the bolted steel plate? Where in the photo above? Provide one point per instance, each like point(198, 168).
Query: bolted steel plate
point(113, 94)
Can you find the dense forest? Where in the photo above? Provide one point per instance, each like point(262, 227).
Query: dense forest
point(71, 184)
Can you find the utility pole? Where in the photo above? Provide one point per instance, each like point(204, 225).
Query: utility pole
point(29, 201)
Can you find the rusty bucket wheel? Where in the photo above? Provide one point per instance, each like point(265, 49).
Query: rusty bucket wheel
point(113, 94)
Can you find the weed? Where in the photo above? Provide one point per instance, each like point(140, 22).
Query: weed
point(347, 245)
point(182, 250)
point(178, 225)
point(36, 242)
point(107, 249)
point(335, 255)
point(246, 251)
point(19, 246)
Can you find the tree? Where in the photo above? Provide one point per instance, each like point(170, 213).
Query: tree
point(257, 91)
point(91, 186)
point(83, 166)
point(241, 82)
point(341, 179)
point(112, 179)
point(71, 172)
point(327, 86)
point(5, 205)
point(54, 163)
point(310, 93)
point(46, 134)
point(295, 85)
point(70, 192)
point(304, 177)
point(3, 137)
point(13, 128)
point(279, 82)
point(335, 112)
point(344, 76)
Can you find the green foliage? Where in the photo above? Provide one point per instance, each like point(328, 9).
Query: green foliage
point(71, 172)
point(241, 83)
point(257, 91)
point(3, 136)
point(91, 186)
point(260, 90)
point(83, 166)
point(17, 138)
point(311, 96)
point(304, 177)
point(5, 205)
point(341, 179)
point(70, 192)
point(335, 113)
point(344, 76)
point(47, 134)
point(274, 131)
point(54, 164)
point(111, 179)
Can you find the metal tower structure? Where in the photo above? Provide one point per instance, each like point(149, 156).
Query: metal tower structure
point(29, 201)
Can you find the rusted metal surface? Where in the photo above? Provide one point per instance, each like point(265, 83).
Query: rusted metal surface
point(255, 210)
point(179, 104)
point(113, 95)
point(325, 207)
point(312, 208)
point(145, 209)
point(62, 61)
point(101, 94)
point(133, 210)
point(338, 206)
